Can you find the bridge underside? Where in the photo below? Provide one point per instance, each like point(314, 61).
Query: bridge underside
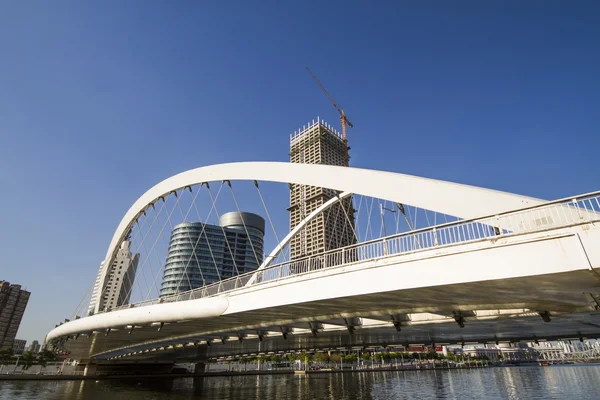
point(531, 328)
point(416, 316)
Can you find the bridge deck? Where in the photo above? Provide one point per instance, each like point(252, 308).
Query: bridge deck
point(529, 272)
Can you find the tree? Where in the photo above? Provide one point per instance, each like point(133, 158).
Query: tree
point(276, 358)
point(351, 358)
point(6, 356)
point(304, 357)
point(336, 358)
point(27, 360)
point(321, 358)
point(46, 356)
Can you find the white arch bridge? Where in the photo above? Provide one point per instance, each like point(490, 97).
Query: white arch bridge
point(503, 268)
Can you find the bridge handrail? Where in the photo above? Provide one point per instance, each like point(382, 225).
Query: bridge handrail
point(569, 211)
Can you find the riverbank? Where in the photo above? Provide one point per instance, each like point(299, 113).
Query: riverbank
point(31, 377)
point(559, 382)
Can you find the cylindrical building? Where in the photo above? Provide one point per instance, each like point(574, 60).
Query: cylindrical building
point(200, 254)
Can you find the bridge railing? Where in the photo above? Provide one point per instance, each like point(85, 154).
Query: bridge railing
point(551, 215)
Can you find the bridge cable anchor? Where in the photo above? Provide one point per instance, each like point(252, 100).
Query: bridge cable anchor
point(545, 316)
point(285, 331)
point(314, 327)
point(460, 320)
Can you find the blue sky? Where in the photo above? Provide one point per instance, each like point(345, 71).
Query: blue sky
point(98, 102)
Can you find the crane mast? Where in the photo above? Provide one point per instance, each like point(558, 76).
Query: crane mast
point(345, 121)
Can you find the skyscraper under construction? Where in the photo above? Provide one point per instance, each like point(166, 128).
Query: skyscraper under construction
point(319, 143)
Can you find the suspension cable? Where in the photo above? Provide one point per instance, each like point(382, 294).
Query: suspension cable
point(237, 271)
point(357, 218)
point(427, 217)
point(147, 255)
point(131, 238)
point(203, 230)
point(243, 223)
point(188, 233)
point(348, 217)
point(87, 292)
point(416, 213)
point(268, 215)
point(331, 211)
point(156, 240)
point(368, 228)
point(167, 244)
point(382, 207)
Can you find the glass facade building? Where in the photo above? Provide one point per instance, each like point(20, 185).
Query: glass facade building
point(200, 254)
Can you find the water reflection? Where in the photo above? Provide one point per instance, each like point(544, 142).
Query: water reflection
point(558, 382)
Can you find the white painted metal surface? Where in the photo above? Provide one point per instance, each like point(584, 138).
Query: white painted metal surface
point(546, 270)
point(269, 259)
point(555, 214)
point(449, 198)
point(544, 258)
point(159, 313)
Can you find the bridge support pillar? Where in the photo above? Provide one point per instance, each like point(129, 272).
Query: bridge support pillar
point(90, 369)
point(199, 368)
point(201, 360)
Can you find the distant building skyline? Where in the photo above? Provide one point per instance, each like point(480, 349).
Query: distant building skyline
point(34, 347)
point(200, 254)
point(13, 301)
point(19, 346)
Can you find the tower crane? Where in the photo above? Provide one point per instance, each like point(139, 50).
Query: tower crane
point(345, 121)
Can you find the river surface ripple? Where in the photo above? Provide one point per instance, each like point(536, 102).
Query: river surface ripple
point(554, 382)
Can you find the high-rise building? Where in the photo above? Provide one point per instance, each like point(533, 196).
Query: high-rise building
point(34, 347)
point(319, 143)
point(19, 346)
point(120, 281)
point(200, 254)
point(13, 301)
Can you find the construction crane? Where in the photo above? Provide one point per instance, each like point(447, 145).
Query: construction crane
point(343, 118)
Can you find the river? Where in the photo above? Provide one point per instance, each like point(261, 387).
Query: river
point(554, 382)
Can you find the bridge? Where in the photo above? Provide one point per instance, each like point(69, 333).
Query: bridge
point(499, 268)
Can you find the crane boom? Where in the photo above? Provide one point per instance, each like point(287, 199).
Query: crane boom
point(324, 90)
point(345, 121)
